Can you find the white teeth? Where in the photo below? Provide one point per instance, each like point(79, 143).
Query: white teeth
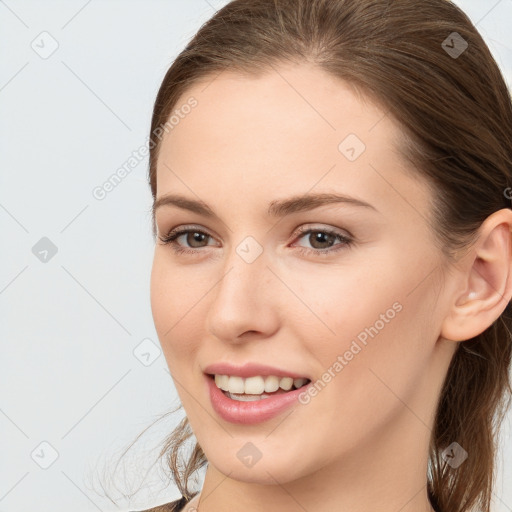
point(271, 384)
point(236, 384)
point(299, 382)
point(256, 385)
point(286, 383)
point(247, 398)
point(222, 381)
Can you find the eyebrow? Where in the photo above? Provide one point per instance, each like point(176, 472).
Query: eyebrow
point(276, 208)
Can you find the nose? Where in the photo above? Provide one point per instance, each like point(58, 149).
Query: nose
point(244, 300)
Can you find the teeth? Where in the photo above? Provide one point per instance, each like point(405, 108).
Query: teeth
point(286, 383)
point(236, 384)
point(247, 398)
point(271, 384)
point(299, 382)
point(222, 382)
point(256, 385)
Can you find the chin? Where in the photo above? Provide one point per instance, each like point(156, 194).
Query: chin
point(270, 469)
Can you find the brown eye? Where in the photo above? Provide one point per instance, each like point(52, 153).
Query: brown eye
point(192, 240)
point(322, 241)
point(195, 238)
point(319, 239)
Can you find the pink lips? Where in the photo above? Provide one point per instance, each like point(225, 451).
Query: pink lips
point(250, 412)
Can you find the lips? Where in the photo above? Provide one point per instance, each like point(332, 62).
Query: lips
point(250, 412)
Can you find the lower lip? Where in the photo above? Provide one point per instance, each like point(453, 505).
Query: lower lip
point(250, 412)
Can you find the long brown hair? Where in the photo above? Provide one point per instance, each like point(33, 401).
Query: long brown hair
point(426, 65)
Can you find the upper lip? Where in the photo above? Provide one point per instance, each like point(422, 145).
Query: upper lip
point(250, 370)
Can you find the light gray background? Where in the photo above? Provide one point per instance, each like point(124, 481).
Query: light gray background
point(74, 328)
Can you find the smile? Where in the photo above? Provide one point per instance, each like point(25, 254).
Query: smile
point(257, 387)
point(247, 401)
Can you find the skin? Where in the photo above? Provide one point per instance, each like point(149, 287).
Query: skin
point(362, 443)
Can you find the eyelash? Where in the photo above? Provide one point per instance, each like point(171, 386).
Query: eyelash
point(347, 241)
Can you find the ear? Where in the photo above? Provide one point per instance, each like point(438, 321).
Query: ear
point(485, 280)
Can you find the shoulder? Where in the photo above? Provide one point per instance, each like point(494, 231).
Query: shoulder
point(173, 506)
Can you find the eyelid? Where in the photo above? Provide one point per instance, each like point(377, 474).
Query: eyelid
point(304, 228)
point(185, 227)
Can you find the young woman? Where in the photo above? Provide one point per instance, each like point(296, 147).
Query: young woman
point(331, 281)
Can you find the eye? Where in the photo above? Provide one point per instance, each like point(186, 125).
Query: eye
point(321, 240)
point(194, 237)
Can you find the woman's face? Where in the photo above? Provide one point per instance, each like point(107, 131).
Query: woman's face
point(342, 293)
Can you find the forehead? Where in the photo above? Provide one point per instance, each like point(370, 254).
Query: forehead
point(297, 102)
point(291, 128)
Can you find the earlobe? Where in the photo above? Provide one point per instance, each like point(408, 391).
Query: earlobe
point(486, 280)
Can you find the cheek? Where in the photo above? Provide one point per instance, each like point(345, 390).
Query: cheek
point(163, 302)
point(369, 318)
point(175, 303)
point(379, 356)
point(334, 305)
point(385, 346)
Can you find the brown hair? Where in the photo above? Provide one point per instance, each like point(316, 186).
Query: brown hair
point(456, 115)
